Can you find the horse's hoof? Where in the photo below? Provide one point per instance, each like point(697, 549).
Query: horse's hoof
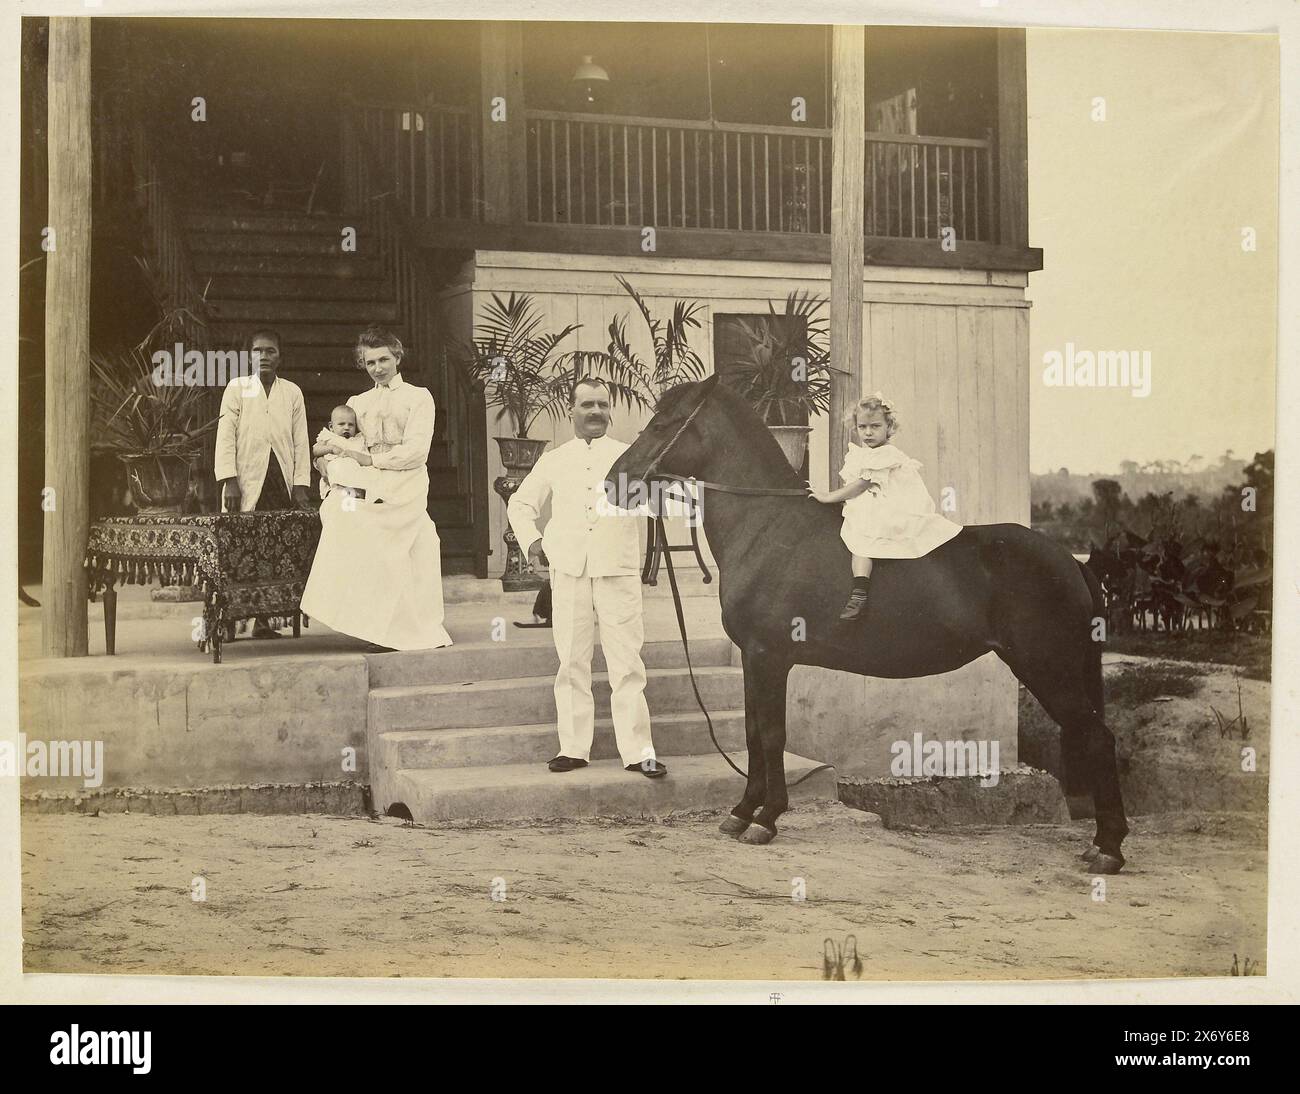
point(757, 834)
point(734, 825)
point(1107, 864)
point(1091, 853)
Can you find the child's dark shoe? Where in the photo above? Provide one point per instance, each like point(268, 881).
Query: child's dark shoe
point(856, 602)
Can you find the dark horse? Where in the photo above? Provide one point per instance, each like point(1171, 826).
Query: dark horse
point(998, 587)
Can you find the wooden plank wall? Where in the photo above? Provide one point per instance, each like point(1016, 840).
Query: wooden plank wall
point(949, 348)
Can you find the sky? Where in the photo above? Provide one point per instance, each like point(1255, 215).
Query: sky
point(1140, 219)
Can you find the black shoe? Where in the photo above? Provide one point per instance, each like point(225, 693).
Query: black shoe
point(857, 601)
point(651, 769)
point(566, 763)
point(534, 624)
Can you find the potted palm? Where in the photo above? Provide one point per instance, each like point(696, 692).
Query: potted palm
point(781, 367)
point(675, 361)
point(523, 372)
point(156, 430)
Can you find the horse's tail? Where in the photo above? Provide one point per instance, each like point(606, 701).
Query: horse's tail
point(1074, 742)
point(1092, 677)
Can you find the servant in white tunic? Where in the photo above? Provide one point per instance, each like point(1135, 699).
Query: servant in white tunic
point(255, 425)
point(593, 551)
point(378, 570)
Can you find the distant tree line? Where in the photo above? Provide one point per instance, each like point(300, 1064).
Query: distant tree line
point(1228, 506)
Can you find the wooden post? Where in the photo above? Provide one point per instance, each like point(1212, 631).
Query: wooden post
point(67, 342)
point(504, 151)
point(1013, 140)
point(848, 129)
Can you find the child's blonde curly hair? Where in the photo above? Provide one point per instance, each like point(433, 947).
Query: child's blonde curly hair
point(874, 402)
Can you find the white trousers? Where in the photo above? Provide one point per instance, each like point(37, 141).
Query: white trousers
point(578, 603)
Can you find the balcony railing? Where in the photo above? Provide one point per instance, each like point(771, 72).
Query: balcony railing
point(602, 170)
point(428, 157)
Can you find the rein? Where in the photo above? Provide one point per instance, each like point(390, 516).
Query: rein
point(651, 472)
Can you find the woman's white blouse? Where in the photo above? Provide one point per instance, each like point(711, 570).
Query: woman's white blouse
point(397, 420)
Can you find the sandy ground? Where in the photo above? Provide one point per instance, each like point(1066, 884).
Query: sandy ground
point(326, 896)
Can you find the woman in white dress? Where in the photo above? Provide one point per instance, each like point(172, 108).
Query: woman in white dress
point(377, 574)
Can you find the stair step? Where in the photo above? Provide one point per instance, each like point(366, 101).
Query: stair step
point(337, 357)
point(270, 243)
point(519, 791)
point(353, 312)
point(457, 543)
point(489, 660)
point(504, 702)
point(295, 334)
point(267, 223)
point(444, 482)
point(340, 266)
point(674, 735)
point(449, 510)
point(223, 288)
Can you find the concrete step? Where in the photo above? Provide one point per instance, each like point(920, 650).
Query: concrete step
point(522, 791)
point(324, 287)
point(337, 266)
point(674, 735)
point(476, 703)
point(506, 660)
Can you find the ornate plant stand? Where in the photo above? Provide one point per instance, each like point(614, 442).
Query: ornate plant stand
point(518, 456)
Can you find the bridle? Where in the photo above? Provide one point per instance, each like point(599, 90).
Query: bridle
point(653, 472)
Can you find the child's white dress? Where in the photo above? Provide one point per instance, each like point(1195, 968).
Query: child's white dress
point(894, 518)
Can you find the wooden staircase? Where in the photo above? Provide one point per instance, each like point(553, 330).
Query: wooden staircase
point(290, 272)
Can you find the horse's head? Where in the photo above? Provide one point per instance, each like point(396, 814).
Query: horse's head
point(673, 442)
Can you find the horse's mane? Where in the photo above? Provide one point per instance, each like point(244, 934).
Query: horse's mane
point(761, 447)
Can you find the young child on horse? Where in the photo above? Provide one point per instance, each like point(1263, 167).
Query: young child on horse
point(888, 512)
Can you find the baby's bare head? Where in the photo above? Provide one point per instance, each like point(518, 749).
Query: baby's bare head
point(343, 421)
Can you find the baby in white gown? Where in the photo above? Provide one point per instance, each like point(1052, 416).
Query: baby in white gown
point(334, 449)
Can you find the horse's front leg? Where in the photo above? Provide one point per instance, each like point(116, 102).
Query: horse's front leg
point(756, 785)
point(772, 674)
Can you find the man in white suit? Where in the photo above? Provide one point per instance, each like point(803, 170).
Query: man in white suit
point(593, 552)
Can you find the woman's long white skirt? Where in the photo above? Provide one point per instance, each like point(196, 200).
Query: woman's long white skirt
point(377, 574)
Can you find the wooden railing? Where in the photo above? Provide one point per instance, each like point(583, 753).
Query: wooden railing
point(426, 156)
point(596, 169)
point(462, 415)
point(599, 170)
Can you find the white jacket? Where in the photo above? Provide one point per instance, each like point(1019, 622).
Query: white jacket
point(584, 531)
point(252, 426)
